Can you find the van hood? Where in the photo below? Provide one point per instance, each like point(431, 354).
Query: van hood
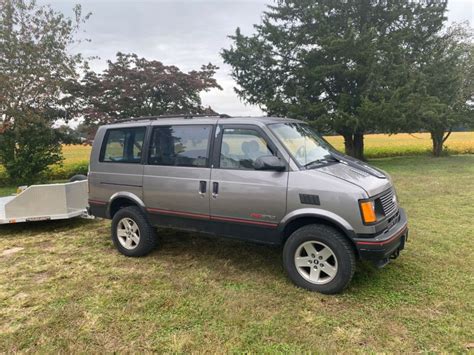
point(372, 180)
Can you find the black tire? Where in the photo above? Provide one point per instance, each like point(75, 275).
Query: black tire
point(340, 247)
point(148, 239)
point(78, 177)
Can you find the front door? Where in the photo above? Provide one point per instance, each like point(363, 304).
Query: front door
point(246, 202)
point(176, 175)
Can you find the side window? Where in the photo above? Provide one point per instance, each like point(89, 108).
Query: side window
point(241, 147)
point(123, 145)
point(180, 146)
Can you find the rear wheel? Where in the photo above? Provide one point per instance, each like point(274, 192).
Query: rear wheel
point(132, 234)
point(319, 258)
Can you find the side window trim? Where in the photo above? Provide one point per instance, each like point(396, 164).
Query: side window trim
point(219, 134)
point(210, 143)
point(106, 137)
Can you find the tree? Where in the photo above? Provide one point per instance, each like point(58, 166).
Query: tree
point(440, 92)
point(134, 87)
point(336, 63)
point(34, 149)
point(35, 68)
point(82, 131)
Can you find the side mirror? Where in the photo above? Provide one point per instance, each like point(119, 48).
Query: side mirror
point(269, 162)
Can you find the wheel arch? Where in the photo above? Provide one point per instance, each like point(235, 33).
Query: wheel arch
point(303, 218)
point(123, 199)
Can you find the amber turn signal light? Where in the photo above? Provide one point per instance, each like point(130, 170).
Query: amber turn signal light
point(368, 211)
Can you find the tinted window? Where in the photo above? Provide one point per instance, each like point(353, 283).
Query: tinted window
point(241, 147)
point(123, 145)
point(180, 146)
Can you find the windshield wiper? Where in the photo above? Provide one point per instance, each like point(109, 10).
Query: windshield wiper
point(321, 161)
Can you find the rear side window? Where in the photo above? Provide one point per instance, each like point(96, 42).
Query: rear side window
point(180, 146)
point(123, 145)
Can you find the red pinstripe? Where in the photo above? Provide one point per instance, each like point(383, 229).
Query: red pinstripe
point(214, 218)
point(385, 241)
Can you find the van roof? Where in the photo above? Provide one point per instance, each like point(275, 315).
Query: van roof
point(200, 119)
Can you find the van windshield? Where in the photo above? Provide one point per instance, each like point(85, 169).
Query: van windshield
point(303, 143)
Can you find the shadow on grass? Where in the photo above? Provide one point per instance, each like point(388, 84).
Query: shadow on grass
point(213, 251)
point(399, 282)
point(263, 262)
point(33, 229)
point(200, 249)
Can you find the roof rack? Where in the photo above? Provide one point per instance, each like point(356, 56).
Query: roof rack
point(185, 116)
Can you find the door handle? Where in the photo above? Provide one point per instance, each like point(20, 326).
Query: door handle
point(202, 187)
point(215, 189)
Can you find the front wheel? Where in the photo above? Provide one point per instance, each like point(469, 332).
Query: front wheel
point(319, 258)
point(132, 234)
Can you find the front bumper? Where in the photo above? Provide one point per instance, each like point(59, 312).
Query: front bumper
point(385, 245)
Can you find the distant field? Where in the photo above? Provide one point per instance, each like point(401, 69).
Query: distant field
point(384, 145)
point(76, 153)
point(377, 145)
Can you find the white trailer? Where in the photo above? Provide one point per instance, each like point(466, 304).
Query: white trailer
point(45, 202)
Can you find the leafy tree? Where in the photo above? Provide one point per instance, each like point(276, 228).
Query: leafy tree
point(133, 87)
point(440, 92)
point(35, 68)
point(68, 135)
point(29, 148)
point(337, 63)
point(82, 132)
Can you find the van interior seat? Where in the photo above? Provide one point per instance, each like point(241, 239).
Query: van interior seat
point(251, 150)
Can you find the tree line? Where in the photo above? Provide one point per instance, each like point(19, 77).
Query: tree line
point(348, 67)
point(358, 66)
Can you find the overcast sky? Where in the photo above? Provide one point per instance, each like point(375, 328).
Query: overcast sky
point(185, 33)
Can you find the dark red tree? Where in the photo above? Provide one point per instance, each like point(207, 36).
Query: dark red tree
point(134, 87)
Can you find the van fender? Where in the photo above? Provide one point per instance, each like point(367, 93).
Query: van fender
point(125, 195)
point(321, 214)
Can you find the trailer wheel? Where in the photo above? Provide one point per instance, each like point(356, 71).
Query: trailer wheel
point(132, 234)
point(78, 177)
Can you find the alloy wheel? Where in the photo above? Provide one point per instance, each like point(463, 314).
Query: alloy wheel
point(316, 262)
point(128, 233)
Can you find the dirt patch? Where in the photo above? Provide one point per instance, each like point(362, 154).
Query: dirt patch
point(11, 251)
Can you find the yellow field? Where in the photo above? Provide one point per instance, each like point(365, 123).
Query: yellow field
point(384, 145)
point(376, 145)
point(76, 153)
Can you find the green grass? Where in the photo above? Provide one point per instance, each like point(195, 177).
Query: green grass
point(69, 290)
point(7, 190)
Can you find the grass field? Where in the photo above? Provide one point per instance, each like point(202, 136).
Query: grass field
point(64, 288)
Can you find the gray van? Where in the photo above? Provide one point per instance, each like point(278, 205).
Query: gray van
point(266, 180)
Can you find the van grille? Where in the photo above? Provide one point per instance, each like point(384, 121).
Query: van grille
point(389, 205)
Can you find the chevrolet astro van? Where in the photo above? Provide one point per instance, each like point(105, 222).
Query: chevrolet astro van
point(267, 180)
